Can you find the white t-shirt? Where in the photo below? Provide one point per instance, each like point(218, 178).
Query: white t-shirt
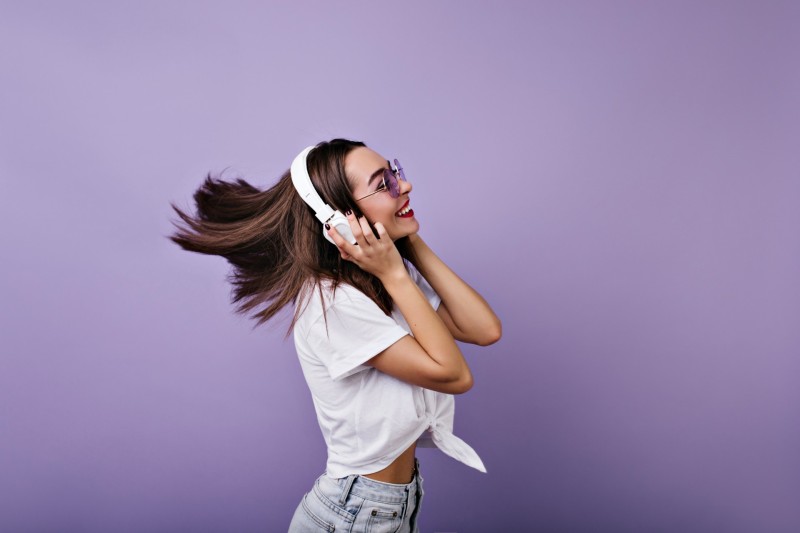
point(368, 418)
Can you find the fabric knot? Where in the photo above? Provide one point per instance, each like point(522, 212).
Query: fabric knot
point(452, 445)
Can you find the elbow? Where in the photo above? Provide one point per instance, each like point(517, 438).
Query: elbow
point(462, 385)
point(457, 382)
point(462, 382)
point(491, 335)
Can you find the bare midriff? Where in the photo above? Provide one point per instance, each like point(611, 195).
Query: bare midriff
point(401, 470)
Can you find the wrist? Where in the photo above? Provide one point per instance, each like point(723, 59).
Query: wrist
point(414, 238)
point(419, 250)
point(416, 244)
point(394, 277)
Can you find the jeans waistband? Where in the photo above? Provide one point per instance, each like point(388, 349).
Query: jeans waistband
point(378, 491)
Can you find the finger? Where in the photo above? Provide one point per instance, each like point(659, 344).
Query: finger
point(366, 230)
point(358, 233)
point(380, 229)
point(340, 241)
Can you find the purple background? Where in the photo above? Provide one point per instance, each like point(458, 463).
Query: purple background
point(618, 179)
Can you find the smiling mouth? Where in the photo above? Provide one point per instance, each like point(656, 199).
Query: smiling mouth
point(405, 211)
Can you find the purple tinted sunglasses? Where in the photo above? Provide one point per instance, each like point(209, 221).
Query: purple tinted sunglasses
point(390, 180)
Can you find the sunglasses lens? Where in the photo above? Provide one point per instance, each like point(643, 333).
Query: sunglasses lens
point(391, 183)
point(400, 170)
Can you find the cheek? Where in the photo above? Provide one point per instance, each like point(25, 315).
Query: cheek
point(383, 212)
point(389, 222)
point(384, 215)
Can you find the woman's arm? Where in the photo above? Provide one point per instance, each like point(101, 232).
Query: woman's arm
point(466, 314)
point(431, 358)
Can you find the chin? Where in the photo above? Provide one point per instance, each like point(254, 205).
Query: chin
point(405, 232)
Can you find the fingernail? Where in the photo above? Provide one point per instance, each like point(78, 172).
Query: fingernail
point(327, 226)
point(348, 212)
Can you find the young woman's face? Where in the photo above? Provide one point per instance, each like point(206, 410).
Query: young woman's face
point(361, 164)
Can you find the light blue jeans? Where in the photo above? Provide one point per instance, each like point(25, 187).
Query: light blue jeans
point(357, 504)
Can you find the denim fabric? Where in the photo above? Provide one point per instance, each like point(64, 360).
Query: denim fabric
point(357, 504)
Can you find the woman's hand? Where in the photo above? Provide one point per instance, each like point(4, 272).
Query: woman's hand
point(378, 256)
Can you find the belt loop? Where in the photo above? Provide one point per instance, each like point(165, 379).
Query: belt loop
point(348, 484)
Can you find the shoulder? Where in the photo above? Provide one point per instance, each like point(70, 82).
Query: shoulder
point(320, 298)
point(342, 327)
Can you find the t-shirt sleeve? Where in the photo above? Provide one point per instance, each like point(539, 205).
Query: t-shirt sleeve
point(357, 331)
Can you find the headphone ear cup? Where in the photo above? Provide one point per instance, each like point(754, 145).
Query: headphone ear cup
point(339, 221)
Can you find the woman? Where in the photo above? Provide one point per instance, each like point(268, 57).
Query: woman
point(376, 317)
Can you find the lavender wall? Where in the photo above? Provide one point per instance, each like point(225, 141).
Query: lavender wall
point(619, 179)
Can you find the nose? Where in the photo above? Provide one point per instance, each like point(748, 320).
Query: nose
point(405, 187)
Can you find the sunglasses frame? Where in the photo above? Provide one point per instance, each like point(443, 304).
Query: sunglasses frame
point(397, 171)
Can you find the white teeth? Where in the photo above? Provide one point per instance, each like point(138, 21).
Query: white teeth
point(404, 211)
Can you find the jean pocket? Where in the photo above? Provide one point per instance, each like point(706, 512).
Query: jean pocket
point(383, 518)
point(343, 514)
point(310, 513)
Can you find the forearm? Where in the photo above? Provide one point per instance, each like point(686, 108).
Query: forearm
point(428, 329)
point(468, 309)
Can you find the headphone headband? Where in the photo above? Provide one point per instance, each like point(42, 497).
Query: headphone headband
point(302, 182)
point(324, 213)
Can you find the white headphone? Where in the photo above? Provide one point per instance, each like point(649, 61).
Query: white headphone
point(324, 213)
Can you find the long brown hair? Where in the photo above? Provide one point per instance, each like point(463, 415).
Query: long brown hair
point(272, 239)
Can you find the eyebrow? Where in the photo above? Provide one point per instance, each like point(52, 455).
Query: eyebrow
point(377, 174)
